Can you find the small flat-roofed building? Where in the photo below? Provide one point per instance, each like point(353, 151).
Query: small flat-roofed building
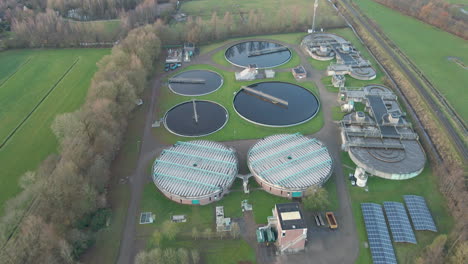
point(291, 227)
point(299, 72)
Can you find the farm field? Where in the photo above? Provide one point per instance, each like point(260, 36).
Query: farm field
point(236, 127)
point(381, 190)
point(302, 8)
point(36, 85)
point(429, 48)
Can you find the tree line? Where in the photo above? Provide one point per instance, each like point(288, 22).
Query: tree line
point(49, 29)
point(435, 12)
point(63, 203)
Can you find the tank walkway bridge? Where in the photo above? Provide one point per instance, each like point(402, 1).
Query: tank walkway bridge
point(266, 51)
point(264, 96)
point(187, 80)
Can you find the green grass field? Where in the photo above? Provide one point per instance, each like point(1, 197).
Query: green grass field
point(381, 190)
point(205, 8)
point(23, 84)
point(429, 48)
point(236, 127)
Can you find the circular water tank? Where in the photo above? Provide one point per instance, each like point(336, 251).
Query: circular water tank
point(361, 177)
point(361, 180)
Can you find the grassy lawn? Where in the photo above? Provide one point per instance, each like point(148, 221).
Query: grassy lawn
point(320, 65)
point(236, 128)
point(330, 186)
point(34, 141)
point(381, 190)
point(429, 48)
point(202, 217)
point(213, 251)
point(337, 115)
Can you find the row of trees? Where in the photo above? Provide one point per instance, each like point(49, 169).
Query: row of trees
point(50, 30)
point(70, 187)
point(435, 12)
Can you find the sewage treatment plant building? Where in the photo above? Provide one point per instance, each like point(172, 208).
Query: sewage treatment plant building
point(286, 165)
point(382, 141)
point(195, 172)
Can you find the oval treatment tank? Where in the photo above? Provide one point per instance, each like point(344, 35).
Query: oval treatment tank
point(263, 54)
point(276, 104)
point(195, 82)
point(195, 118)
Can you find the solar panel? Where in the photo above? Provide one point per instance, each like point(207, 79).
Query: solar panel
point(377, 233)
point(420, 215)
point(399, 222)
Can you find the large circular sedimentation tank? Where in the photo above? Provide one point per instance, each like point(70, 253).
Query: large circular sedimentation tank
point(195, 118)
point(195, 172)
point(288, 164)
point(263, 54)
point(262, 108)
point(195, 82)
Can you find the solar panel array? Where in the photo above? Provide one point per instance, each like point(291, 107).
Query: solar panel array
point(399, 222)
point(377, 233)
point(420, 215)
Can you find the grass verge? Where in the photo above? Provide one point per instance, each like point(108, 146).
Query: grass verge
point(381, 190)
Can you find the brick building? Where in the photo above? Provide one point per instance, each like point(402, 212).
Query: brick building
point(291, 227)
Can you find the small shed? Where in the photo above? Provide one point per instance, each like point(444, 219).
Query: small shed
point(299, 72)
point(179, 218)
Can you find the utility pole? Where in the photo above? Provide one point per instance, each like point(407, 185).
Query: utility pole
point(313, 19)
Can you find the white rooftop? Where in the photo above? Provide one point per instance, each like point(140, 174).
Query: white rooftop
point(291, 161)
point(195, 168)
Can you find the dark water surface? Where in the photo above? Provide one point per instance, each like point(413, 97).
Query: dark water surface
point(239, 54)
point(180, 119)
point(212, 82)
point(302, 104)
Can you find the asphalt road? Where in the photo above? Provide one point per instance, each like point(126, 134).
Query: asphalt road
point(345, 237)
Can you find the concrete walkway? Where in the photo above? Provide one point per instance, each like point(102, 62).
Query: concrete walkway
point(343, 242)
